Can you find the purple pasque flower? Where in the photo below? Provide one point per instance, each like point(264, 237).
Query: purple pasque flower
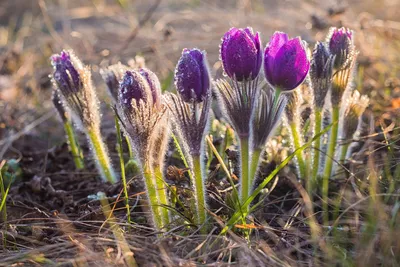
point(192, 78)
point(341, 45)
point(65, 74)
point(285, 62)
point(133, 87)
point(241, 54)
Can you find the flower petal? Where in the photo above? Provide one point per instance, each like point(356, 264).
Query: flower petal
point(154, 85)
point(277, 40)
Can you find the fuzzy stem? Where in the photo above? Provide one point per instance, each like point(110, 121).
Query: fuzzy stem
point(130, 150)
point(73, 146)
point(162, 193)
point(255, 158)
point(329, 161)
point(122, 165)
point(153, 197)
point(200, 194)
point(343, 152)
point(101, 155)
point(3, 196)
point(317, 143)
point(244, 156)
point(297, 145)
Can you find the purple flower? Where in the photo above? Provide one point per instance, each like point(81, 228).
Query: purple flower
point(285, 62)
point(241, 54)
point(341, 45)
point(192, 79)
point(65, 74)
point(133, 86)
point(154, 85)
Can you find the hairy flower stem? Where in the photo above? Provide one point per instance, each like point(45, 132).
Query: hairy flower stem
point(122, 165)
point(329, 161)
point(343, 153)
point(162, 193)
point(3, 196)
point(200, 194)
point(317, 144)
point(297, 144)
point(101, 155)
point(255, 158)
point(73, 145)
point(153, 197)
point(244, 159)
point(130, 150)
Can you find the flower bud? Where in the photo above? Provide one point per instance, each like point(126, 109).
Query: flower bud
point(65, 74)
point(341, 45)
point(241, 54)
point(356, 107)
point(321, 70)
point(285, 62)
point(192, 78)
point(111, 76)
point(133, 87)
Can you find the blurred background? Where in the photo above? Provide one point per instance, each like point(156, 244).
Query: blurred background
point(103, 32)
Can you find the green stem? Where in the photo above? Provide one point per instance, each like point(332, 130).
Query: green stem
point(317, 144)
point(3, 196)
point(122, 165)
point(329, 161)
point(130, 150)
point(73, 146)
point(200, 194)
point(162, 193)
point(297, 145)
point(102, 158)
point(343, 153)
point(244, 156)
point(153, 197)
point(255, 158)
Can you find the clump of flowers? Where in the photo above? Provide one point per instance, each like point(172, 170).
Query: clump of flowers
point(190, 112)
point(73, 82)
point(253, 102)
